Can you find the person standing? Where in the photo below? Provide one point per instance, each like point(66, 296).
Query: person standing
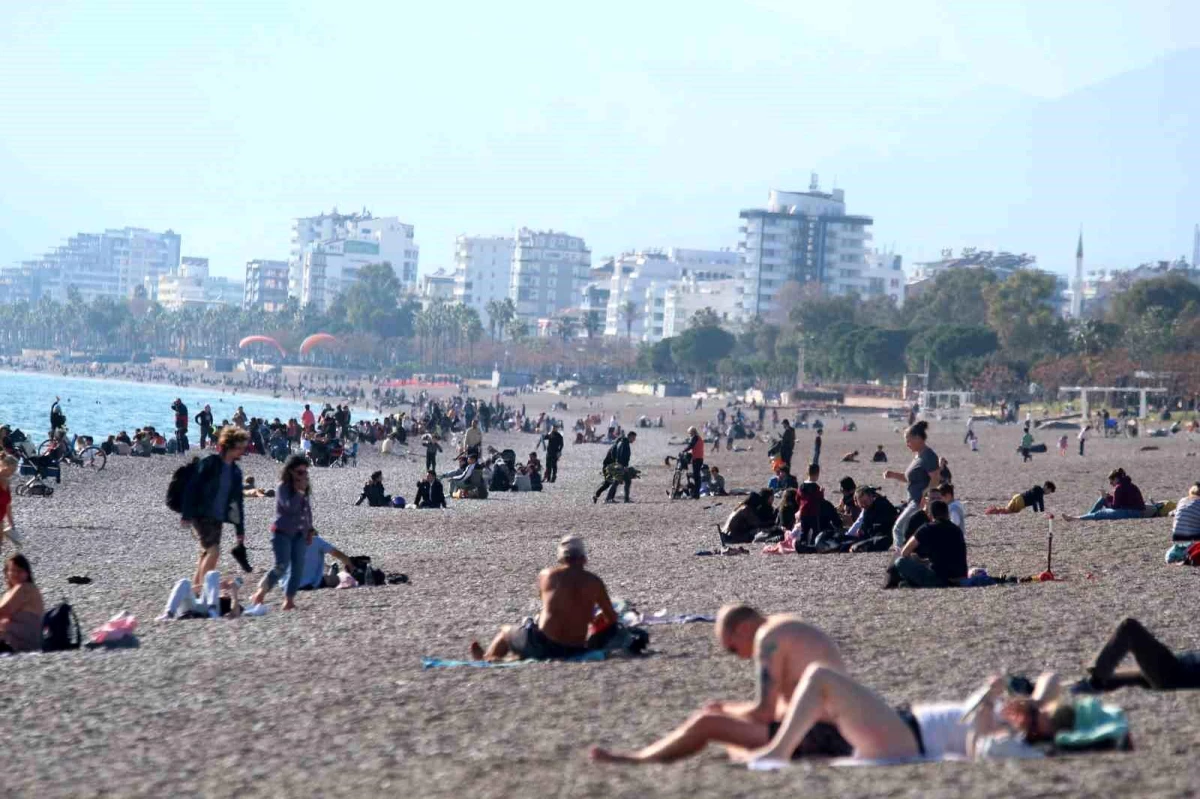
point(816, 457)
point(695, 448)
point(205, 420)
point(291, 534)
point(473, 440)
point(1083, 437)
point(308, 419)
point(8, 467)
point(919, 475)
point(213, 498)
point(58, 419)
point(181, 425)
point(554, 448)
point(787, 444)
point(616, 469)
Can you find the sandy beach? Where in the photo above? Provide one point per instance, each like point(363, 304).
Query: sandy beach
point(331, 700)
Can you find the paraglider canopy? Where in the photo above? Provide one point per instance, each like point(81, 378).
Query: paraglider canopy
point(315, 339)
point(248, 340)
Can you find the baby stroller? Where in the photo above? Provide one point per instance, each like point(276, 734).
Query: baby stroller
point(38, 468)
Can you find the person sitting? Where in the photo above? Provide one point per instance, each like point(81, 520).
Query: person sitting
point(958, 514)
point(1125, 501)
point(751, 516)
point(217, 598)
point(716, 482)
point(785, 514)
point(430, 493)
point(935, 556)
point(1186, 524)
point(314, 575)
point(21, 608)
point(848, 509)
point(1158, 668)
point(468, 482)
point(571, 596)
point(783, 648)
point(872, 530)
point(783, 479)
point(850, 457)
point(1034, 499)
point(980, 728)
point(374, 493)
point(880, 456)
point(252, 491)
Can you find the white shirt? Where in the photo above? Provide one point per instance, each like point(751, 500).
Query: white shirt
point(1083, 431)
point(958, 515)
point(942, 729)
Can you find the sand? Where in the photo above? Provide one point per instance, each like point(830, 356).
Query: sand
point(331, 700)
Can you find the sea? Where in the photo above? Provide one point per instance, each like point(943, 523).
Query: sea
point(102, 407)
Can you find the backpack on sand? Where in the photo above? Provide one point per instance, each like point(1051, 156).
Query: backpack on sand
point(57, 628)
point(179, 483)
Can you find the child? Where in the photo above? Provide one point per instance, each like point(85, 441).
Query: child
point(972, 440)
point(957, 514)
point(880, 456)
point(1034, 499)
point(850, 457)
point(432, 448)
point(1062, 446)
point(716, 483)
point(1026, 445)
point(811, 496)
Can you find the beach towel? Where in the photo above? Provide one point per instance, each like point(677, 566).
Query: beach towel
point(444, 663)
point(681, 618)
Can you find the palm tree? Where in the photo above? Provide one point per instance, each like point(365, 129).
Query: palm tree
point(630, 312)
point(592, 324)
point(568, 328)
point(493, 312)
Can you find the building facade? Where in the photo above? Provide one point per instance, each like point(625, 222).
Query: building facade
point(802, 237)
point(192, 286)
point(482, 271)
point(639, 283)
point(549, 272)
point(341, 239)
point(108, 264)
point(437, 287)
point(266, 286)
point(686, 297)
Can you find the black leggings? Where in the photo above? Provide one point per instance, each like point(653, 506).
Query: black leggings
point(1158, 666)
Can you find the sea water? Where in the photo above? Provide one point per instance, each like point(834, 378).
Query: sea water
point(102, 407)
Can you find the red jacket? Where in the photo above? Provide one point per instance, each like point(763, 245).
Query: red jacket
point(1127, 496)
point(811, 496)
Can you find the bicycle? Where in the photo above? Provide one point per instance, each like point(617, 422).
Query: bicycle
point(681, 479)
point(90, 457)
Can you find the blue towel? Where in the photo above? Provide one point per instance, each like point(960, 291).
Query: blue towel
point(442, 663)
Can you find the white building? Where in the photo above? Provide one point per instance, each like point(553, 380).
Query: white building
point(329, 266)
point(437, 287)
point(350, 240)
point(881, 275)
point(266, 286)
point(191, 286)
point(806, 237)
point(108, 264)
point(482, 271)
point(640, 281)
point(684, 298)
point(549, 271)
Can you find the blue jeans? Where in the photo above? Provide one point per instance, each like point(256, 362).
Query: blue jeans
point(289, 559)
point(1107, 514)
point(917, 574)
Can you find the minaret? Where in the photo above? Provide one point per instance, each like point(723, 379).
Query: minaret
point(1077, 292)
point(1196, 248)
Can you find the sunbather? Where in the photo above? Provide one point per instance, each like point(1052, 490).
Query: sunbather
point(1125, 501)
point(1157, 666)
point(783, 648)
point(571, 596)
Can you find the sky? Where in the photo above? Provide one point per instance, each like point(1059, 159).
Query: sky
point(632, 124)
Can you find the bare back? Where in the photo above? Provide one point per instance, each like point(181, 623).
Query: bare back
point(570, 596)
point(788, 646)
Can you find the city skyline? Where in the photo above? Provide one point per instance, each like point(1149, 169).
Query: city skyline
point(196, 121)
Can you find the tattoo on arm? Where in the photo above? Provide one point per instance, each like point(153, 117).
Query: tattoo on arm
point(765, 688)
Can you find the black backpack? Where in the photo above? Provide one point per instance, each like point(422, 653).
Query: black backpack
point(57, 628)
point(179, 483)
point(611, 455)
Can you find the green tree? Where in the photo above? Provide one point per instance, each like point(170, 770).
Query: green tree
point(1022, 313)
point(955, 297)
point(593, 324)
point(698, 349)
point(655, 359)
point(1172, 296)
point(631, 312)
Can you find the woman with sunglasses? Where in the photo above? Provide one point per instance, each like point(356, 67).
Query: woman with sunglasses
point(292, 532)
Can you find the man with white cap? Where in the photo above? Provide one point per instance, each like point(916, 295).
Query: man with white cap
point(570, 597)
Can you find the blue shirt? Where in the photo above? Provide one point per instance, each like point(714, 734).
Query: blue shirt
point(314, 563)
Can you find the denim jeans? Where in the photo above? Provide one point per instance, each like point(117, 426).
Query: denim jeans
point(917, 574)
point(909, 510)
point(1108, 514)
point(289, 559)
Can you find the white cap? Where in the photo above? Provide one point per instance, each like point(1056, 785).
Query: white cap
point(571, 546)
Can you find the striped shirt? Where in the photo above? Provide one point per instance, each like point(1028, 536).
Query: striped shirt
point(1187, 520)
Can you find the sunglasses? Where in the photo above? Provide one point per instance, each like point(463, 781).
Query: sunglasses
point(301, 472)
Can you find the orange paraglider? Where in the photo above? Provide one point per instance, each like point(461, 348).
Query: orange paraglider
point(262, 340)
point(315, 339)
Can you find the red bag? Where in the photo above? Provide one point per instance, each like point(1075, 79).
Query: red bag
point(1192, 558)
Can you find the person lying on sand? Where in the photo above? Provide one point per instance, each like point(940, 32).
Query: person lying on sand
point(972, 729)
point(850, 457)
point(1158, 668)
point(1034, 499)
point(570, 596)
point(783, 649)
point(252, 491)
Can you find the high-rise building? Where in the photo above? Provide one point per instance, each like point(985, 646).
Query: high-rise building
point(640, 281)
point(482, 271)
point(266, 285)
point(803, 237)
point(549, 272)
point(108, 264)
point(350, 239)
point(1196, 248)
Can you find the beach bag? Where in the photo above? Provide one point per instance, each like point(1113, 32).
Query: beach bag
point(60, 629)
point(179, 483)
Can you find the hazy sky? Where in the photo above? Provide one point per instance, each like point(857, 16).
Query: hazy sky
point(631, 124)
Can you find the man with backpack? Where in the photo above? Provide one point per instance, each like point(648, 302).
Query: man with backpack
point(616, 469)
point(208, 494)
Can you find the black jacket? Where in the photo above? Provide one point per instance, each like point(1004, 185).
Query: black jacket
point(202, 490)
point(204, 419)
point(879, 518)
point(620, 452)
point(788, 442)
point(374, 494)
point(431, 495)
point(554, 444)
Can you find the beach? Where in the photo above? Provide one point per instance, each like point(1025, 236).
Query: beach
point(332, 700)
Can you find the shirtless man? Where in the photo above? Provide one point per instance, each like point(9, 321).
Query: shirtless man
point(782, 648)
point(570, 596)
